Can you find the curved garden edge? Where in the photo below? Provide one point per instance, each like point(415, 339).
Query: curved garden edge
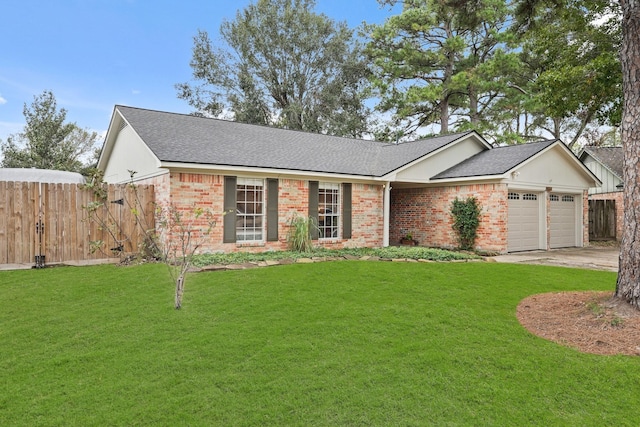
point(589, 321)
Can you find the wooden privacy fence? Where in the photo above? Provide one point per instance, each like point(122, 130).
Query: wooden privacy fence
point(602, 219)
point(48, 223)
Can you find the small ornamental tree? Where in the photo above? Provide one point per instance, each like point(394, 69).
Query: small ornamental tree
point(183, 232)
point(466, 219)
point(174, 239)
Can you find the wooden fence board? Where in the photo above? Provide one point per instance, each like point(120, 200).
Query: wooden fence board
point(67, 231)
point(602, 219)
point(3, 222)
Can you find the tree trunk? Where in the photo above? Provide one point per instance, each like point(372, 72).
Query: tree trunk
point(179, 291)
point(474, 116)
point(628, 285)
point(446, 82)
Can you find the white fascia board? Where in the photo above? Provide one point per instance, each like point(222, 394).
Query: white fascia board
point(109, 140)
point(469, 179)
point(112, 135)
point(285, 173)
point(158, 163)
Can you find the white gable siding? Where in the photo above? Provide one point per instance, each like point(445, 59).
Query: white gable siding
point(553, 168)
point(440, 161)
point(609, 180)
point(130, 153)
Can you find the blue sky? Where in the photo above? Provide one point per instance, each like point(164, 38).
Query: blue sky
point(94, 54)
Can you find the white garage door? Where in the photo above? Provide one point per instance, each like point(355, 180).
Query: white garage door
point(523, 222)
point(563, 220)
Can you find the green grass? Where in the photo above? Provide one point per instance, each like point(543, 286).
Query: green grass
point(336, 343)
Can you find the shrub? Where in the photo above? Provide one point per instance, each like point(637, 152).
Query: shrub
point(466, 219)
point(299, 235)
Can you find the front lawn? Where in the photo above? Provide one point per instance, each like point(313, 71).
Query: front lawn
point(334, 343)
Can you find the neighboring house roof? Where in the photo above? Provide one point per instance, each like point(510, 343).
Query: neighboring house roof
point(40, 175)
point(181, 138)
point(610, 157)
point(496, 161)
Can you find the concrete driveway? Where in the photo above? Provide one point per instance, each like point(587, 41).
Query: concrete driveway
point(595, 257)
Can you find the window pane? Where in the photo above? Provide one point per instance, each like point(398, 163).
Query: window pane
point(249, 209)
point(328, 210)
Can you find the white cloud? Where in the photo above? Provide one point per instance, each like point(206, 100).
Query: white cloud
point(2, 100)
point(136, 92)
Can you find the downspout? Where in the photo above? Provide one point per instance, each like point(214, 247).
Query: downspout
point(387, 209)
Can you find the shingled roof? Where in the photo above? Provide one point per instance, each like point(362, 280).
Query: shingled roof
point(181, 138)
point(611, 157)
point(496, 161)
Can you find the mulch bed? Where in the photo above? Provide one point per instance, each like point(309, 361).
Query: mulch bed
point(592, 322)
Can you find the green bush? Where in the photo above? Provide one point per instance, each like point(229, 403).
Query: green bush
point(466, 219)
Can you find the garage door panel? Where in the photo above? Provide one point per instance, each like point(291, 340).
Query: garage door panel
point(523, 222)
point(563, 222)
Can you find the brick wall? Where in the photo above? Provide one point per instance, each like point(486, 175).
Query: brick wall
point(426, 214)
point(207, 191)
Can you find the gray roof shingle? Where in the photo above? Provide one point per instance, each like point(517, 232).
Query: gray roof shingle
point(184, 138)
point(496, 161)
point(611, 157)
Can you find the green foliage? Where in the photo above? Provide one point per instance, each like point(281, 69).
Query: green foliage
point(283, 65)
point(388, 253)
point(340, 343)
point(456, 66)
point(47, 142)
point(571, 55)
point(441, 63)
point(466, 220)
point(299, 234)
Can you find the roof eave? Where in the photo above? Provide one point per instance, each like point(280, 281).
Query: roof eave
point(235, 169)
point(109, 140)
point(599, 160)
point(495, 177)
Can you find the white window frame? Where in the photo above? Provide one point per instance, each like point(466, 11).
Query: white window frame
point(246, 210)
point(329, 210)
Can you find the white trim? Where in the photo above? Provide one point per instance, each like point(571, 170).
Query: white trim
point(211, 169)
point(240, 180)
point(331, 186)
point(112, 136)
point(386, 206)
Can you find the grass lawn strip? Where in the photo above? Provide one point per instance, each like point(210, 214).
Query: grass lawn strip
point(347, 343)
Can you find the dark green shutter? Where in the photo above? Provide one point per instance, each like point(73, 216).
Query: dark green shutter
point(346, 211)
point(229, 235)
point(272, 210)
point(313, 208)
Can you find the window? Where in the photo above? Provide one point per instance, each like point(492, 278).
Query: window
point(328, 210)
point(514, 196)
point(249, 209)
point(554, 198)
point(529, 197)
point(567, 199)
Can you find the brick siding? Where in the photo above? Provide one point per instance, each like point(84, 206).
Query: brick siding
point(426, 214)
point(186, 190)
